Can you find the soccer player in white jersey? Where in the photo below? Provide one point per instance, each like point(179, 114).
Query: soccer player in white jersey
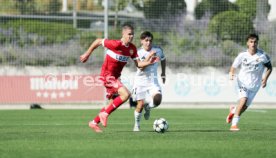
point(146, 90)
point(251, 77)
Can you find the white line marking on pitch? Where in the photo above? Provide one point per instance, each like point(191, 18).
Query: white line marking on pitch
point(110, 123)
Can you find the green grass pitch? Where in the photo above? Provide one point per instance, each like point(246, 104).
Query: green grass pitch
point(192, 133)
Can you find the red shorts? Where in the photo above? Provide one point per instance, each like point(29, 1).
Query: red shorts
point(112, 85)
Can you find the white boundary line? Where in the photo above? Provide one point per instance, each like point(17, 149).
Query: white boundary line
point(126, 106)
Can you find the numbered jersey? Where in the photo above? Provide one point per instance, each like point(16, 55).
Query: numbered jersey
point(252, 68)
point(117, 55)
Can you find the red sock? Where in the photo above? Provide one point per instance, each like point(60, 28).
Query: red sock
point(97, 118)
point(114, 105)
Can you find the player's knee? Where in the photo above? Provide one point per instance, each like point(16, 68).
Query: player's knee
point(244, 108)
point(157, 103)
point(140, 105)
point(125, 96)
point(157, 99)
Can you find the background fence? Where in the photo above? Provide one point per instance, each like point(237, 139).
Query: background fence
point(192, 33)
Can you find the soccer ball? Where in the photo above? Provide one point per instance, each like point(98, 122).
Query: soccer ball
point(160, 125)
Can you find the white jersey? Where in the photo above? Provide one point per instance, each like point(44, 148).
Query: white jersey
point(148, 75)
point(252, 68)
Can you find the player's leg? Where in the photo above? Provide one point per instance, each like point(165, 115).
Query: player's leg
point(94, 124)
point(140, 97)
point(244, 103)
point(243, 95)
point(242, 92)
point(156, 96)
point(241, 106)
point(132, 103)
point(250, 98)
point(123, 95)
point(137, 115)
point(132, 98)
point(111, 94)
point(155, 100)
point(230, 116)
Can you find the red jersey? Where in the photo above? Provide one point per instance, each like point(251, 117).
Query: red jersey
point(117, 56)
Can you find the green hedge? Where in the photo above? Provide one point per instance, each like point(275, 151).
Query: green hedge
point(231, 25)
point(35, 32)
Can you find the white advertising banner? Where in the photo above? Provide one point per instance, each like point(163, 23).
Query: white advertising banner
point(211, 86)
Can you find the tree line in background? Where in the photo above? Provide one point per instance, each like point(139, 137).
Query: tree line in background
point(231, 21)
point(213, 39)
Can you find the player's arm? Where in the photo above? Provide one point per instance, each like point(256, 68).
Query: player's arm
point(150, 59)
point(232, 73)
point(267, 73)
point(237, 62)
point(163, 70)
point(84, 57)
point(141, 64)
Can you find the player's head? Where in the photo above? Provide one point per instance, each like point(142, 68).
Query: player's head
point(252, 41)
point(127, 33)
point(252, 36)
point(146, 39)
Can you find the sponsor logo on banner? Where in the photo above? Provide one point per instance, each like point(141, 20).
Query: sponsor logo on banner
point(182, 87)
point(54, 89)
point(212, 88)
point(271, 88)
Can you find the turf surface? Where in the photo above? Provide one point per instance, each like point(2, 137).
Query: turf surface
point(192, 133)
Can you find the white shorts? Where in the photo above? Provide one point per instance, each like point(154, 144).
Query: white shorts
point(141, 92)
point(245, 93)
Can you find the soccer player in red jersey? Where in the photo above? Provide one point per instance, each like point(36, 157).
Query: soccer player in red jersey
point(117, 54)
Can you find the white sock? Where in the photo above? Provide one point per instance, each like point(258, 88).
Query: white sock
point(235, 120)
point(137, 118)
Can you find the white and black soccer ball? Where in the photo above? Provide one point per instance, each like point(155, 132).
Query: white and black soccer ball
point(160, 125)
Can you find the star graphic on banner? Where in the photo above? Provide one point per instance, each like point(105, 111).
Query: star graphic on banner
point(53, 95)
point(38, 94)
point(45, 94)
point(68, 94)
point(61, 94)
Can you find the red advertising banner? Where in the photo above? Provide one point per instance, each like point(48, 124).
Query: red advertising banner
point(51, 89)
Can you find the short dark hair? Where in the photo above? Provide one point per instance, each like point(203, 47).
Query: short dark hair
point(127, 26)
point(146, 34)
point(252, 35)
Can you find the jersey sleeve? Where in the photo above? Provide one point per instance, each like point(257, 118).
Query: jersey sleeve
point(237, 62)
point(159, 52)
point(110, 44)
point(266, 59)
point(162, 56)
